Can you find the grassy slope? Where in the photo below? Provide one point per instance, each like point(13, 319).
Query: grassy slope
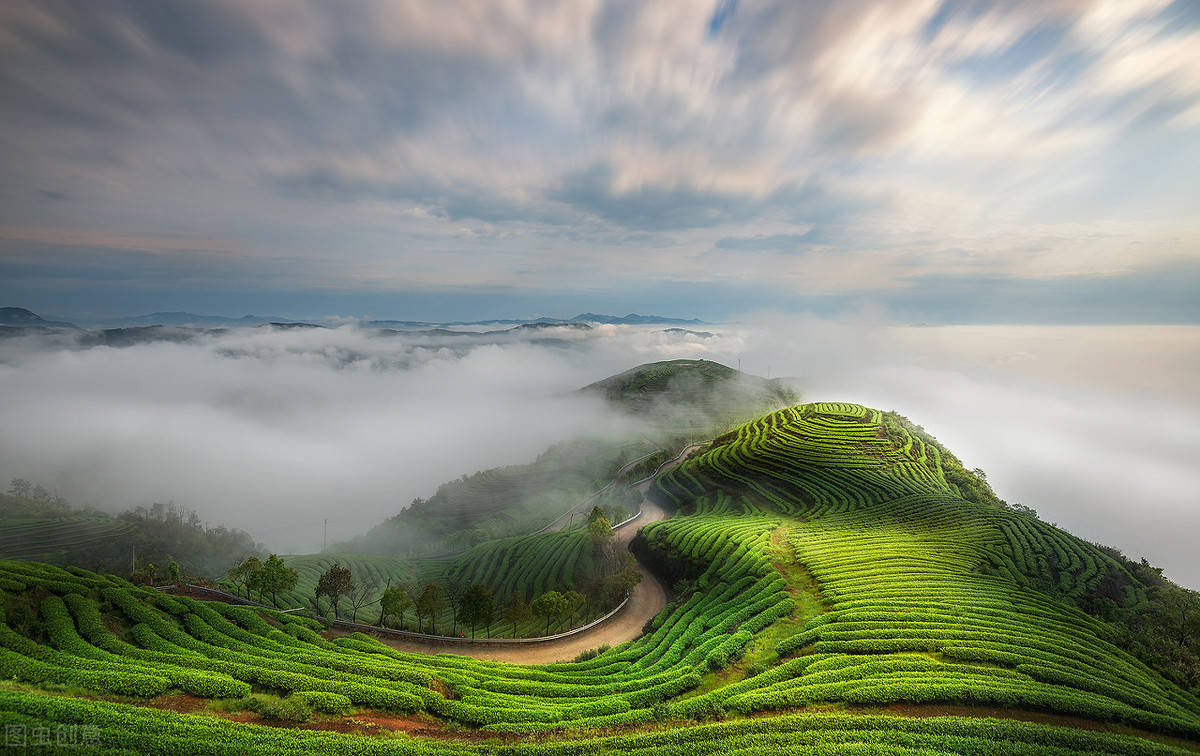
point(531, 564)
point(53, 536)
point(919, 597)
point(691, 396)
point(679, 398)
point(499, 502)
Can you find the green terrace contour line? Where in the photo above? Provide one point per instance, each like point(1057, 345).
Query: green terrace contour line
point(831, 587)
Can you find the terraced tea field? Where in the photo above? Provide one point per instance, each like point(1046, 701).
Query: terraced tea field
point(29, 539)
point(828, 579)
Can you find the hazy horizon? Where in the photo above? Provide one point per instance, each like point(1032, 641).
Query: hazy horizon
point(982, 215)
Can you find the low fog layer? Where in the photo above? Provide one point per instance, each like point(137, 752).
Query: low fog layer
point(1097, 428)
point(274, 431)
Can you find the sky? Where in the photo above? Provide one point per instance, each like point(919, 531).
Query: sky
point(983, 215)
point(956, 163)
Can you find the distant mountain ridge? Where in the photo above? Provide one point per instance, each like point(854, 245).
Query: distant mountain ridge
point(18, 316)
point(188, 318)
point(586, 317)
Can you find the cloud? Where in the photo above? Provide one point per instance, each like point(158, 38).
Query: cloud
point(1094, 427)
point(774, 242)
point(273, 431)
point(403, 144)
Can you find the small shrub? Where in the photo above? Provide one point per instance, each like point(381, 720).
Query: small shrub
point(330, 703)
point(290, 709)
point(756, 669)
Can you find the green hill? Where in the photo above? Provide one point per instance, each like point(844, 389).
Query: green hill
point(500, 502)
point(834, 593)
point(36, 525)
point(677, 401)
point(56, 537)
point(690, 396)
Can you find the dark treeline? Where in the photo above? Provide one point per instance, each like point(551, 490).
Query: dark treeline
point(1164, 631)
point(472, 607)
point(143, 540)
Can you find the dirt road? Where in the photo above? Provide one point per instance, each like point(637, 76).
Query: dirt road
point(649, 597)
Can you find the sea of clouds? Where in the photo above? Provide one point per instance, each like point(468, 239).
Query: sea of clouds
point(275, 431)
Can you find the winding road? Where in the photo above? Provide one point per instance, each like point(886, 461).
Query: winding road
point(649, 598)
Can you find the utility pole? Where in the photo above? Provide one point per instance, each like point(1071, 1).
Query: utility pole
point(325, 534)
point(739, 364)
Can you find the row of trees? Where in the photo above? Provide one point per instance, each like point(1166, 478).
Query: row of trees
point(609, 578)
point(471, 607)
point(477, 607)
point(269, 578)
point(159, 534)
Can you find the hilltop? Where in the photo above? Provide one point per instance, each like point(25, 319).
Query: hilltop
point(19, 317)
point(692, 395)
point(671, 399)
point(839, 583)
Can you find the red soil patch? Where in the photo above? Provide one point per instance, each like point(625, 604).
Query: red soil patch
point(182, 702)
point(364, 722)
point(194, 594)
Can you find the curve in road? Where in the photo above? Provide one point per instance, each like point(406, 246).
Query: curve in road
point(649, 598)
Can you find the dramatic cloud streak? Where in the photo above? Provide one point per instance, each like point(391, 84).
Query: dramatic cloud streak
point(530, 154)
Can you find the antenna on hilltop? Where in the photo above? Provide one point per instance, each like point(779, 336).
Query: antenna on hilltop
point(325, 534)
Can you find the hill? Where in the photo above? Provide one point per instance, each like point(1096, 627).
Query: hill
point(500, 502)
point(19, 317)
point(194, 320)
point(634, 319)
point(692, 396)
point(835, 591)
point(672, 400)
point(36, 525)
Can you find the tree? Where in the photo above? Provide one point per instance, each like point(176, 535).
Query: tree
point(275, 577)
point(454, 591)
point(599, 528)
point(1177, 616)
point(395, 601)
point(359, 596)
point(549, 606)
point(173, 569)
point(616, 586)
point(143, 575)
point(600, 533)
point(429, 604)
point(335, 582)
point(517, 610)
point(478, 606)
point(574, 601)
point(240, 574)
